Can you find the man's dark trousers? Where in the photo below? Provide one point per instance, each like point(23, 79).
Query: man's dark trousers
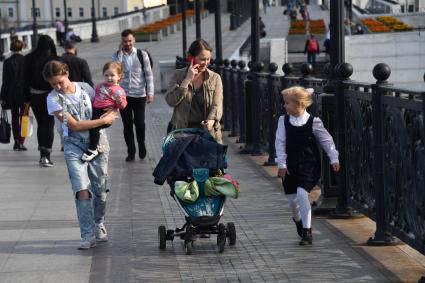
point(134, 113)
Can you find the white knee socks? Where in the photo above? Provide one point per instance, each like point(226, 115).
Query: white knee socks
point(300, 207)
point(293, 205)
point(305, 207)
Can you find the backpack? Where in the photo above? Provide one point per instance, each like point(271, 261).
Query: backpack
point(140, 56)
point(142, 62)
point(312, 45)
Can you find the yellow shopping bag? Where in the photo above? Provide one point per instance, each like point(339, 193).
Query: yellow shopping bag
point(26, 122)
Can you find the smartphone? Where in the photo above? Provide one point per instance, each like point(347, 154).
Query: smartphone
point(191, 59)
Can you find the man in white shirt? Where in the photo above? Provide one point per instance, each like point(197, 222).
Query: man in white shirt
point(139, 88)
point(60, 32)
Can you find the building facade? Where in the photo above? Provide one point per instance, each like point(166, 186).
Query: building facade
point(405, 6)
point(18, 13)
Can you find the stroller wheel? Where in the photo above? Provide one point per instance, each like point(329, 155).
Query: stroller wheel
point(162, 236)
point(188, 247)
point(188, 240)
point(231, 233)
point(170, 235)
point(221, 237)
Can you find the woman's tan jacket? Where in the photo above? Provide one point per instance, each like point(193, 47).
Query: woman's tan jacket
point(180, 98)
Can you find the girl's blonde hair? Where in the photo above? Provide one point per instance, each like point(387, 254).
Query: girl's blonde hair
point(298, 94)
point(117, 65)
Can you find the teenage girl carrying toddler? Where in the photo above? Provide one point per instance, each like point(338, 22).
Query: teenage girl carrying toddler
point(298, 156)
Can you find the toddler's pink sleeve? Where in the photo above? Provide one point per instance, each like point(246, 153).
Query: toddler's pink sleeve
point(123, 98)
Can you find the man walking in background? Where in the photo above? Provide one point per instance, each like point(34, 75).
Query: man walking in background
point(60, 32)
point(79, 70)
point(139, 88)
point(265, 4)
point(312, 49)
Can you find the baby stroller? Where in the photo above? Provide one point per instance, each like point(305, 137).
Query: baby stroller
point(191, 158)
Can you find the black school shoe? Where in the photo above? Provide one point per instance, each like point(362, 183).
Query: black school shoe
point(299, 225)
point(307, 237)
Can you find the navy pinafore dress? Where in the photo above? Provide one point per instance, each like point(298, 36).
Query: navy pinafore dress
point(303, 157)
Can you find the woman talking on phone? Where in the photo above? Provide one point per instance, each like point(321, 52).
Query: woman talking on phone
point(196, 93)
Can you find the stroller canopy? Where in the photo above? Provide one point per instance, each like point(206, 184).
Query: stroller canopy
point(188, 149)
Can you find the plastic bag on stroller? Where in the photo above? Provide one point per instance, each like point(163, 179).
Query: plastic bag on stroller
point(190, 162)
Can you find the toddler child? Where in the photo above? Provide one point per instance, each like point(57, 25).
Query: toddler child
point(109, 94)
point(298, 156)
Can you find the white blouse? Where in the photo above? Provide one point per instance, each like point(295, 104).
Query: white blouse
point(319, 131)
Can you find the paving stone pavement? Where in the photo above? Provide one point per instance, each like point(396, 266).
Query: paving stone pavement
point(39, 233)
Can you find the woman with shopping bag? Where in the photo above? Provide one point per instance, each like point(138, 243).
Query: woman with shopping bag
point(12, 92)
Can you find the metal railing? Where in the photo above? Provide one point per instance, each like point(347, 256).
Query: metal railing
point(378, 129)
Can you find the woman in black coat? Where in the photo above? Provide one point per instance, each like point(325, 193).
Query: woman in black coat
point(12, 90)
point(38, 89)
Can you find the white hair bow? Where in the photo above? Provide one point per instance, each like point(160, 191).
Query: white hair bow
point(310, 90)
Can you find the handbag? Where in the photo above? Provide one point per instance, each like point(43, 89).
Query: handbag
point(5, 129)
point(26, 122)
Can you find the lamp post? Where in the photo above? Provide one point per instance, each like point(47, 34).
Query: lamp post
point(184, 28)
point(255, 31)
point(198, 18)
point(94, 37)
point(34, 26)
point(218, 41)
point(65, 20)
point(337, 33)
point(337, 41)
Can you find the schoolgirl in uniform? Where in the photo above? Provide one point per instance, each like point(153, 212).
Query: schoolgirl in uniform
point(298, 156)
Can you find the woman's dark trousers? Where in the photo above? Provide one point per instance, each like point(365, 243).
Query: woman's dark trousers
point(45, 123)
point(16, 123)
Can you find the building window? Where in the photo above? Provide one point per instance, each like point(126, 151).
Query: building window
point(81, 12)
point(70, 12)
point(0, 12)
point(136, 8)
point(58, 12)
point(116, 11)
point(104, 12)
point(10, 12)
point(37, 12)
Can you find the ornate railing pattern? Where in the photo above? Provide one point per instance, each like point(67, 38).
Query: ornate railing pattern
point(359, 148)
point(379, 131)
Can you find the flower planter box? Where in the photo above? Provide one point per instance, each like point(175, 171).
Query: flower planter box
point(156, 30)
point(147, 36)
